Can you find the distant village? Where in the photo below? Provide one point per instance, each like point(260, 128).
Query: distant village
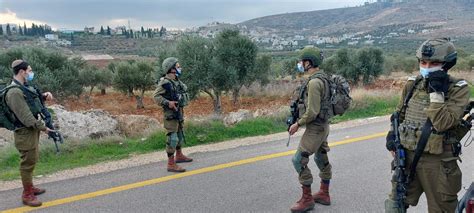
point(266, 39)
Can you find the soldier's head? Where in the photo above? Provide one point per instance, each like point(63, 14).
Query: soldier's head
point(436, 54)
point(22, 70)
point(310, 58)
point(171, 66)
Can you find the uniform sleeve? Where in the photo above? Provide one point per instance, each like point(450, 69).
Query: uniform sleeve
point(17, 103)
point(315, 92)
point(407, 86)
point(446, 115)
point(159, 92)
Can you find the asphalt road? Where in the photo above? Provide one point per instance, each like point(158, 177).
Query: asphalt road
point(361, 181)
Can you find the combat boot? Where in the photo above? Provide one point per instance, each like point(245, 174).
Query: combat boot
point(322, 196)
point(38, 191)
point(306, 202)
point(181, 158)
point(173, 167)
point(29, 197)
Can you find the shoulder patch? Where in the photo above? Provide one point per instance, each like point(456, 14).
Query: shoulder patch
point(461, 83)
point(411, 78)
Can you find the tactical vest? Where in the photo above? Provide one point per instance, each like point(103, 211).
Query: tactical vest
point(32, 98)
point(323, 115)
point(178, 93)
point(415, 118)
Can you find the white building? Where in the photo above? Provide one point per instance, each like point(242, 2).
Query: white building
point(51, 37)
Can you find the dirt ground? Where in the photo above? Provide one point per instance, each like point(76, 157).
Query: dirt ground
point(117, 103)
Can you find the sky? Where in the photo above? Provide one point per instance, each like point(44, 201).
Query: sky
point(76, 14)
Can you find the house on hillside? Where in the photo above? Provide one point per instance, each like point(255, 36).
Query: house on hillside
point(51, 37)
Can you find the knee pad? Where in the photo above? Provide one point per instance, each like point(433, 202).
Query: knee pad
point(321, 159)
point(300, 161)
point(172, 139)
point(181, 137)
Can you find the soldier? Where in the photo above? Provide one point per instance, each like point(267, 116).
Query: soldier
point(437, 102)
point(171, 94)
point(26, 109)
point(314, 140)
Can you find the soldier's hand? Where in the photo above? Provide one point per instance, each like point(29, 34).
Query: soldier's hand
point(172, 105)
point(48, 96)
point(293, 128)
point(48, 130)
point(393, 153)
point(438, 81)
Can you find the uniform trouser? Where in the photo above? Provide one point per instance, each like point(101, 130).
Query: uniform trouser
point(174, 135)
point(29, 158)
point(314, 141)
point(439, 177)
point(26, 142)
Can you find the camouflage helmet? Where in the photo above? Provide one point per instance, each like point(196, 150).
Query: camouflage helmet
point(168, 63)
point(439, 50)
point(312, 54)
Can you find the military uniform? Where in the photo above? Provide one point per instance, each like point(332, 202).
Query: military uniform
point(171, 90)
point(314, 140)
point(437, 172)
point(173, 120)
point(26, 137)
point(441, 99)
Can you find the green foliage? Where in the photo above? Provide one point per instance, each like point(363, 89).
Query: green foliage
point(92, 76)
point(288, 67)
point(237, 54)
point(131, 76)
point(54, 71)
point(262, 70)
point(364, 64)
point(201, 71)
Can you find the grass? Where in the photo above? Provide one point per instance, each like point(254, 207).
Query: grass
point(472, 91)
point(82, 153)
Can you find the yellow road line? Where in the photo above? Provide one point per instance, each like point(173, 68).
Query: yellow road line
point(178, 176)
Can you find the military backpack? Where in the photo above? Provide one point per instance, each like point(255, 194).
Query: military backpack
point(7, 118)
point(337, 96)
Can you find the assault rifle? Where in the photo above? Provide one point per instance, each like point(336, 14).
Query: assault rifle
point(399, 176)
point(295, 113)
point(48, 120)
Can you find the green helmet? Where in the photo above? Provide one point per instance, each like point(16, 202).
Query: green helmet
point(168, 63)
point(439, 50)
point(312, 54)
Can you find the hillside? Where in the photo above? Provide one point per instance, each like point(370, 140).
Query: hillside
point(446, 18)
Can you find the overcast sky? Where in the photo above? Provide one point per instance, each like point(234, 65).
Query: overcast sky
point(76, 14)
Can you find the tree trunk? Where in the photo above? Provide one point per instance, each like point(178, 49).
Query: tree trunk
point(90, 91)
point(102, 91)
point(216, 101)
point(140, 104)
point(235, 96)
point(130, 92)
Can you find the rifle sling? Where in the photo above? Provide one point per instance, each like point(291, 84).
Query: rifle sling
point(420, 147)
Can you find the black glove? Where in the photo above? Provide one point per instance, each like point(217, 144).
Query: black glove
point(438, 81)
point(390, 141)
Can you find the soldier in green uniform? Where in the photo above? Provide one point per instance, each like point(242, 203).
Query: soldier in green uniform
point(171, 94)
point(28, 128)
point(440, 98)
point(314, 140)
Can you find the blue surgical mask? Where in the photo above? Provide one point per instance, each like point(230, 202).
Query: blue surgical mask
point(178, 72)
point(426, 71)
point(30, 76)
point(299, 67)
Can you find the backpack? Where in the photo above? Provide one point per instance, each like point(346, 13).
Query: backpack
point(7, 118)
point(338, 100)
